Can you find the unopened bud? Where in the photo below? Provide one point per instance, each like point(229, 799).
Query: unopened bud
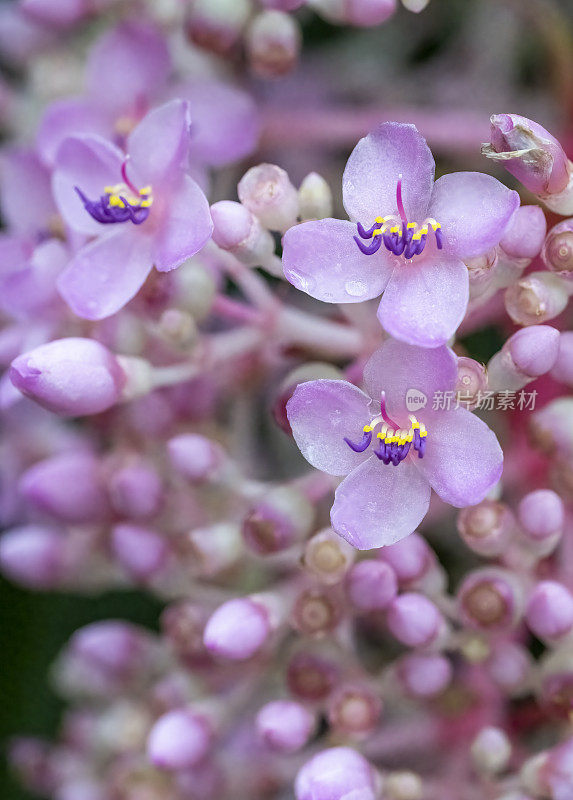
point(141, 552)
point(179, 740)
point(273, 42)
point(371, 585)
point(334, 774)
point(424, 674)
point(217, 25)
point(491, 751)
point(277, 520)
point(541, 515)
point(285, 726)
point(199, 459)
point(526, 355)
point(563, 368)
point(177, 327)
point(354, 709)
point(551, 427)
point(33, 556)
point(414, 620)
point(239, 231)
point(238, 629)
point(490, 600)
point(314, 198)
point(196, 288)
point(215, 548)
point(266, 190)
point(362, 13)
point(404, 785)
point(487, 527)
point(529, 153)
point(557, 253)
point(510, 666)
point(316, 612)
point(472, 381)
point(525, 234)
point(136, 490)
point(537, 298)
point(549, 612)
point(328, 557)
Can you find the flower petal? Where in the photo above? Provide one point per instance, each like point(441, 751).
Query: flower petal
point(106, 274)
point(25, 191)
point(463, 459)
point(425, 300)
point(159, 145)
point(185, 228)
point(322, 259)
point(90, 163)
point(225, 122)
point(321, 413)
point(134, 60)
point(397, 367)
point(473, 209)
point(371, 175)
point(70, 117)
point(377, 505)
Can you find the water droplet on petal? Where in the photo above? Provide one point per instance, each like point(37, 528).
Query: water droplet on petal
point(356, 287)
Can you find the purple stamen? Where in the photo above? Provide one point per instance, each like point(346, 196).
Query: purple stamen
point(439, 238)
point(369, 250)
point(365, 234)
point(102, 212)
point(361, 446)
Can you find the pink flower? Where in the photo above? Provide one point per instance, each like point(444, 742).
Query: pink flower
point(418, 232)
point(391, 471)
point(161, 214)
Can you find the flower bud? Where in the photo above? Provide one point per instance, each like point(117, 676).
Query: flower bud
point(403, 785)
point(285, 726)
point(525, 234)
point(327, 556)
point(556, 689)
point(552, 427)
point(311, 677)
point(70, 377)
point(471, 383)
point(354, 710)
point(316, 612)
point(136, 491)
point(197, 458)
point(541, 515)
point(238, 629)
point(33, 556)
point(529, 153)
point(195, 288)
point(214, 548)
point(179, 740)
point(509, 665)
point(238, 231)
point(563, 368)
point(549, 612)
point(424, 675)
point(481, 272)
point(314, 198)
point(489, 600)
point(486, 528)
point(141, 552)
point(178, 328)
point(538, 297)
point(46, 487)
point(557, 253)
point(334, 774)
point(182, 624)
point(371, 585)
point(266, 190)
point(55, 15)
point(414, 620)
point(277, 520)
point(415, 5)
point(410, 558)
point(217, 25)
point(362, 13)
point(526, 355)
point(491, 751)
point(273, 42)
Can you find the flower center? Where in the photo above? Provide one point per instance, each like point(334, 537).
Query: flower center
point(120, 203)
point(398, 235)
point(393, 442)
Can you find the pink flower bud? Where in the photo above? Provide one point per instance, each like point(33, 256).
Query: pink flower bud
point(563, 368)
point(489, 600)
point(541, 515)
point(182, 624)
point(179, 740)
point(71, 377)
point(556, 690)
point(537, 298)
point(276, 521)
point(285, 726)
point(327, 556)
point(199, 459)
point(214, 548)
point(509, 665)
point(526, 355)
point(551, 427)
point(266, 190)
point(414, 620)
point(142, 552)
point(529, 153)
point(410, 558)
point(314, 198)
point(273, 42)
point(557, 253)
point(471, 383)
point(525, 234)
point(371, 585)
point(311, 677)
point(238, 231)
point(33, 556)
point(136, 491)
point(549, 612)
point(424, 675)
point(334, 774)
point(217, 25)
point(46, 487)
point(354, 710)
point(486, 528)
point(316, 612)
point(491, 751)
point(238, 629)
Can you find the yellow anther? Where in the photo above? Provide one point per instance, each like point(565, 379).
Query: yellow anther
point(367, 429)
point(146, 203)
point(145, 190)
point(411, 225)
point(415, 426)
point(377, 232)
point(379, 220)
point(394, 229)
